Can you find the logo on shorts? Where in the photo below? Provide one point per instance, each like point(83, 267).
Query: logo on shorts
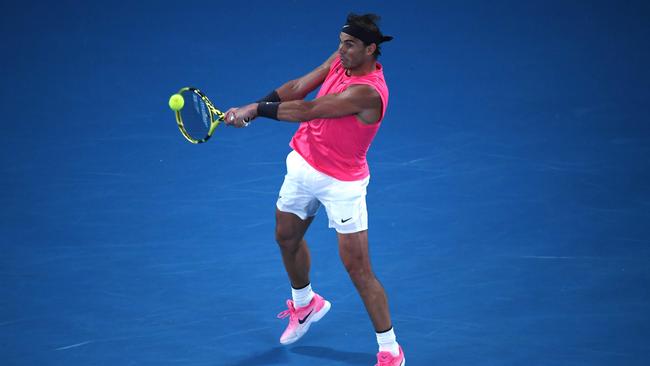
point(346, 220)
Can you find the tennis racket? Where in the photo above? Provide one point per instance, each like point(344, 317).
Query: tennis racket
point(197, 118)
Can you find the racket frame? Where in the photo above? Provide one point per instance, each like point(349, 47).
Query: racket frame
point(216, 116)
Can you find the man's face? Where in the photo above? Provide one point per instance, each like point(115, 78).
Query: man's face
point(352, 51)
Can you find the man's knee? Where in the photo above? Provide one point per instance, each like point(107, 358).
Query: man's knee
point(289, 230)
point(287, 237)
point(284, 236)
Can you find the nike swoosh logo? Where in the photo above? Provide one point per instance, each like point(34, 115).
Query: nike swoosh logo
point(305, 318)
point(346, 220)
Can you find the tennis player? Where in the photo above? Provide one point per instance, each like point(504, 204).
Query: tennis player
point(328, 167)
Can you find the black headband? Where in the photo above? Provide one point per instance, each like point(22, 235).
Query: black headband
point(367, 36)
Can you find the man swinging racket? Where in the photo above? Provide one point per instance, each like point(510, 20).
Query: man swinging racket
point(328, 167)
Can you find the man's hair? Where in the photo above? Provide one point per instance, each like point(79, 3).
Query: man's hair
point(368, 22)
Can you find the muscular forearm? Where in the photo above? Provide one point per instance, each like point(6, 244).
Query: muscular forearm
point(292, 90)
point(352, 101)
point(292, 111)
point(296, 111)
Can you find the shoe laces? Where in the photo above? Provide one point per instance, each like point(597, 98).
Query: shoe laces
point(290, 312)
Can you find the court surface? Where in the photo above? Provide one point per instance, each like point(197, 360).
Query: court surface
point(509, 198)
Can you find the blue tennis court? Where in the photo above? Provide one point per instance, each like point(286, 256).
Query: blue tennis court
point(509, 198)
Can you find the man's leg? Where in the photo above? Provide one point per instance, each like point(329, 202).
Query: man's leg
point(289, 234)
point(353, 249)
point(306, 307)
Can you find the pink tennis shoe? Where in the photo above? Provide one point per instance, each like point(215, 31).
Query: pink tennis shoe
point(387, 359)
point(301, 318)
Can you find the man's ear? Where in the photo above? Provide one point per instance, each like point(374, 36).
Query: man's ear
point(370, 49)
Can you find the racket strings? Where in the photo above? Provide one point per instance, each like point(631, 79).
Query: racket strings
point(198, 120)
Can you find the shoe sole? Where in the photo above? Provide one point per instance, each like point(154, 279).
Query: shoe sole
point(318, 316)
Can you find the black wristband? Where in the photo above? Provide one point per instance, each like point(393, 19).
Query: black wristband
point(272, 97)
point(268, 109)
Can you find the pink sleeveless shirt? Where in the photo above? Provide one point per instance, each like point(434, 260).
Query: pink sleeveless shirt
point(338, 146)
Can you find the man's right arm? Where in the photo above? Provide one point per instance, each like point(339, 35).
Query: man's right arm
point(298, 89)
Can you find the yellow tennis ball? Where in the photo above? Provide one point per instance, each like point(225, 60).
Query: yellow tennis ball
point(176, 102)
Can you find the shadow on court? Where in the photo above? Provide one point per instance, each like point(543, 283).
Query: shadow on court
point(274, 356)
point(327, 353)
point(279, 356)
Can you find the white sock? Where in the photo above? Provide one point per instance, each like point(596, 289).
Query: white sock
point(302, 297)
point(387, 342)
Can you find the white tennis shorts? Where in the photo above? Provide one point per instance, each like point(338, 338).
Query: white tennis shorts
point(305, 189)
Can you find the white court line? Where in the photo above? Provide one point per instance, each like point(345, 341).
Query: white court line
point(73, 346)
